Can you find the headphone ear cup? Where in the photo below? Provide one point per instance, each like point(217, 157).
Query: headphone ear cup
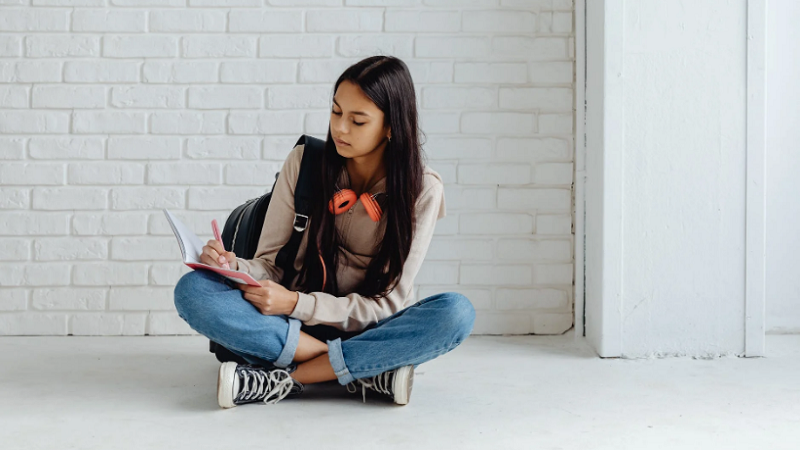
point(372, 207)
point(342, 201)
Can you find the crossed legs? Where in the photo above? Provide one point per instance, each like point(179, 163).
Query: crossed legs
point(313, 354)
point(429, 328)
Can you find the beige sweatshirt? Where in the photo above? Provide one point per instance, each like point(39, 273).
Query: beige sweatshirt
point(361, 237)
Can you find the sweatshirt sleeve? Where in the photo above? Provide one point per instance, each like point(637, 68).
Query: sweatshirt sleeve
point(278, 223)
point(354, 312)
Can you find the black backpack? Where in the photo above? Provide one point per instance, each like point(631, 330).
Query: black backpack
point(243, 227)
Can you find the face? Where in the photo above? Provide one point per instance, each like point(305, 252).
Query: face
point(356, 120)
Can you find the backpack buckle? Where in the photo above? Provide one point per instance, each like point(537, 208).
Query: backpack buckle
point(297, 219)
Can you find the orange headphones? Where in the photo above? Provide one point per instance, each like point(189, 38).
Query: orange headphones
point(345, 199)
point(342, 201)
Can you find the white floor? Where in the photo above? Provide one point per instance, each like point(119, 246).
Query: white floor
point(492, 392)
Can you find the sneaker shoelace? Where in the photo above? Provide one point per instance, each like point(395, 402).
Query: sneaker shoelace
point(381, 383)
point(260, 384)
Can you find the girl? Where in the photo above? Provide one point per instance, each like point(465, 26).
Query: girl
point(349, 313)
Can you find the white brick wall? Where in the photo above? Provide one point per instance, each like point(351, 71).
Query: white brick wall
point(113, 109)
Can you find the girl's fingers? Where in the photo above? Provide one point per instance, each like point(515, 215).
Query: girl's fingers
point(216, 245)
point(210, 256)
point(217, 251)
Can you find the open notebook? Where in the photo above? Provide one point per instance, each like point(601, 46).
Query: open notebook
point(192, 248)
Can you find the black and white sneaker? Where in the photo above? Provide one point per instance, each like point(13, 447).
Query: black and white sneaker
point(238, 384)
point(395, 383)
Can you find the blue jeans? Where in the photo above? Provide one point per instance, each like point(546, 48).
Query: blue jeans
point(212, 306)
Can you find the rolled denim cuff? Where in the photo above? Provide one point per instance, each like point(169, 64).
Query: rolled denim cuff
point(292, 340)
point(336, 358)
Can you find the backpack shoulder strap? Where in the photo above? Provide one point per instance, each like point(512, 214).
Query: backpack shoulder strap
point(302, 194)
point(312, 152)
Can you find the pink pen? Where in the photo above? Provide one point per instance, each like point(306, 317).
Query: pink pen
point(218, 237)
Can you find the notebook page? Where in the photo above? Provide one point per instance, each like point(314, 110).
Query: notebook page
point(191, 245)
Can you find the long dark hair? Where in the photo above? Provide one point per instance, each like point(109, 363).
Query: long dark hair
point(387, 82)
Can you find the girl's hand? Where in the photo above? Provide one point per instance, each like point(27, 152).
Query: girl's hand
point(271, 298)
point(214, 255)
